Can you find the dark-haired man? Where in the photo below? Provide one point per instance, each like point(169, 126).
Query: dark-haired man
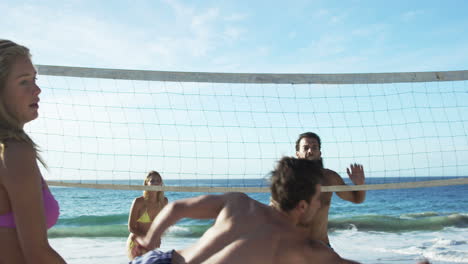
point(247, 231)
point(308, 146)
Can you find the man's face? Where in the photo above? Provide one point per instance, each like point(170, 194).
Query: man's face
point(309, 149)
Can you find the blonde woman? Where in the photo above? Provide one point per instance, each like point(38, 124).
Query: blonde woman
point(144, 209)
point(27, 208)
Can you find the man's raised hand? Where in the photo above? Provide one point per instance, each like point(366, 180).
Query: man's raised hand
point(356, 173)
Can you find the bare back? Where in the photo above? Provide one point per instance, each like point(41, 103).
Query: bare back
point(247, 231)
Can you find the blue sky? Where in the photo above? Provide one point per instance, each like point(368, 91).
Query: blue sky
point(243, 36)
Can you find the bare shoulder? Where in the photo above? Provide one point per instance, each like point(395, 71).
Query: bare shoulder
point(15, 150)
point(236, 200)
point(236, 196)
point(19, 159)
point(332, 177)
point(21, 179)
point(329, 173)
point(136, 207)
point(138, 201)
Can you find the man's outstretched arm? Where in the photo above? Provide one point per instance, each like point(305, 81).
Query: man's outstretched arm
point(356, 175)
point(201, 207)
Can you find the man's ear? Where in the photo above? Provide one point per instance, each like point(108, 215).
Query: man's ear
point(302, 206)
point(297, 154)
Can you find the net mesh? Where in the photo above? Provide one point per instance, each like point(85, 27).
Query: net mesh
point(209, 131)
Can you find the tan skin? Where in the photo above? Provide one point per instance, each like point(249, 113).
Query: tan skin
point(20, 177)
point(139, 206)
point(310, 149)
point(271, 235)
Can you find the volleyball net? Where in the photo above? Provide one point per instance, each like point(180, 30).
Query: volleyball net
point(218, 132)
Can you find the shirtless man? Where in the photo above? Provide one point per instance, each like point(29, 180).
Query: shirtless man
point(308, 147)
point(247, 231)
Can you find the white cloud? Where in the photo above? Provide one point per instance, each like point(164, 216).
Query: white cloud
point(83, 39)
point(67, 38)
point(186, 36)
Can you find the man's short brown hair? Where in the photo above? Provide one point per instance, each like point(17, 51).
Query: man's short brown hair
point(294, 180)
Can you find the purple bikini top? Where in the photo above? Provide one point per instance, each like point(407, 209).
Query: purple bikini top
point(51, 208)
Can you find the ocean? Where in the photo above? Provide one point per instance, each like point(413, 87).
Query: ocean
point(391, 226)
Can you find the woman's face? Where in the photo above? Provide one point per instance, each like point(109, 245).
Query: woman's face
point(154, 179)
point(21, 94)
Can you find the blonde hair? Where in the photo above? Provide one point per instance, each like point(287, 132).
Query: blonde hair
point(10, 128)
point(159, 194)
